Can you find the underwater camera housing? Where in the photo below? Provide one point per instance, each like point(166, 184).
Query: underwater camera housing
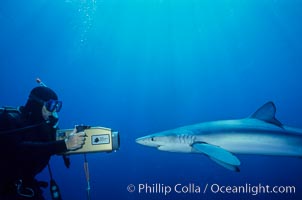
point(98, 139)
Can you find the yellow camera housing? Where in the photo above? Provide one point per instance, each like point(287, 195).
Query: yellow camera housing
point(98, 139)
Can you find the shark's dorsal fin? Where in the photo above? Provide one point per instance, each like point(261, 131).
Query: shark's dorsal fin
point(267, 113)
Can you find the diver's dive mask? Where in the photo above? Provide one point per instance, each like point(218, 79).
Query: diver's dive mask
point(51, 105)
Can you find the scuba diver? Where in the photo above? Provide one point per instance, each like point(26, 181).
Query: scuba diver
point(28, 142)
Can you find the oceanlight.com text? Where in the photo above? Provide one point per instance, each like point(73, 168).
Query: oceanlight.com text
point(250, 189)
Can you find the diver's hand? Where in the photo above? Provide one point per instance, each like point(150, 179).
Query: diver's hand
point(75, 140)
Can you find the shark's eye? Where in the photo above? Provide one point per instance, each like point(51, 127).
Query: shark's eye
point(152, 139)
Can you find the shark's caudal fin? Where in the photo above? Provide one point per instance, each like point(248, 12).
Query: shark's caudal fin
point(267, 113)
point(219, 155)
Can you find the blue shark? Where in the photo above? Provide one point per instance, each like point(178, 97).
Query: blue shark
point(259, 134)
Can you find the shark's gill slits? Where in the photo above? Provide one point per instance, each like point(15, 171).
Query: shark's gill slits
point(185, 139)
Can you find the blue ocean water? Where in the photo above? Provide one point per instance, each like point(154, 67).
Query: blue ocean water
point(143, 66)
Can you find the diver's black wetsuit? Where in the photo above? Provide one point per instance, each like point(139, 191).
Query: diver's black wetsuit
point(24, 154)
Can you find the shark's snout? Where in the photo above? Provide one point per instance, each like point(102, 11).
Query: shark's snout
point(143, 141)
point(139, 140)
point(146, 141)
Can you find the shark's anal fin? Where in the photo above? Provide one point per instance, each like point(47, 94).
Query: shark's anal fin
point(267, 113)
point(219, 155)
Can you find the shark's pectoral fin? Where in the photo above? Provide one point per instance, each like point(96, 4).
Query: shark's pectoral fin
point(225, 165)
point(219, 155)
